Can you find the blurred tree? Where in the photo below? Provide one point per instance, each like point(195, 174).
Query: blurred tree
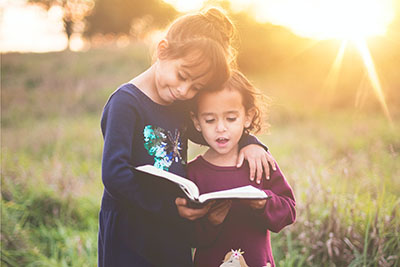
point(74, 12)
point(122, 16)
point(262, 46)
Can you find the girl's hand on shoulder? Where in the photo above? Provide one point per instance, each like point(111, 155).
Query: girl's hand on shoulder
point(256, 204)
point(259, 161)
point(218, 212)
point(189, 213)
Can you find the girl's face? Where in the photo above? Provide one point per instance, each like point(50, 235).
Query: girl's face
point(221, 118)
point(179, 79)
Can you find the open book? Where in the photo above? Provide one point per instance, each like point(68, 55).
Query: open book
point(192, 191)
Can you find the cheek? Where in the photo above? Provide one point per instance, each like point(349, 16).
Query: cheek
point(238, 127)
point(167, 78)
point(206, 129)
point(192, 93)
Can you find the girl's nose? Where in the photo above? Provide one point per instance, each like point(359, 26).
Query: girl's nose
point(183, 89)
point(221, 126)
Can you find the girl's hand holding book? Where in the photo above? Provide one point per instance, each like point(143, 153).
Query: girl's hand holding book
point(256, 204)
point(218, 212)
point(259, 161)
point(189, 213)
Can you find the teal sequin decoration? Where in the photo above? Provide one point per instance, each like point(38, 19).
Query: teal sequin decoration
point(163, 146)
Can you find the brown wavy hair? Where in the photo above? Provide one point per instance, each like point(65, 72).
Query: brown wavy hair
point(209, 36)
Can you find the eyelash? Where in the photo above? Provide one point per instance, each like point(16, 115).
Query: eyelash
point(228, 119)
point(180, 77)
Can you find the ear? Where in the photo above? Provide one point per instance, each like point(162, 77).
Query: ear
point(249, 117)
point(195, 121)
point(162, 49)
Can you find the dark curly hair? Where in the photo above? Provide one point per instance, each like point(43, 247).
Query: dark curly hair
point(252, 99)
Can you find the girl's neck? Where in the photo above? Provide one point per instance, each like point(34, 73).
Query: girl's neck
point(222, 160)
point(146, 82)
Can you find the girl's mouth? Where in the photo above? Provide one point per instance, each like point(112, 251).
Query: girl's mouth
point(222, 141)
point(172, 94)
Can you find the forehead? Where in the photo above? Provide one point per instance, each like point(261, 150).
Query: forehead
point(196, 66)
point(222, 101)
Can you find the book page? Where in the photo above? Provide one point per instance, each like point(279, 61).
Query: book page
point(185, 184)
point(244, 192)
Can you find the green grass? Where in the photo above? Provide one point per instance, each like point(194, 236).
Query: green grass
point(50, 194)
point(343, 165)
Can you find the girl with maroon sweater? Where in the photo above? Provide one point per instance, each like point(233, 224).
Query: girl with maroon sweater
point(222, 117)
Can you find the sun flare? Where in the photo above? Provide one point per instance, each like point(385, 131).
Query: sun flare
point(324, 19)
point(351, 21)
point(186, 6)
point(373, 76)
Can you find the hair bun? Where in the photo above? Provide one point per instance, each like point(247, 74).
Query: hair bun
point(220, 21)
point(211, 24)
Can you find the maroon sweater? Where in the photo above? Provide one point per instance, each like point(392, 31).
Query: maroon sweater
point(243, 227)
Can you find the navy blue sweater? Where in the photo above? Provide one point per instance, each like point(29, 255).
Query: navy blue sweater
point(139, 222)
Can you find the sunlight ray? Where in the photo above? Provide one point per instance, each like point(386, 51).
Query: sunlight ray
point(373, 75)
point(362, 91)
point(333, 75)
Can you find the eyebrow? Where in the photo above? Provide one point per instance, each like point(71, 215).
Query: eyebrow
point(228, 113)
point(232, 112)
point(207, 114)
point(185, 67)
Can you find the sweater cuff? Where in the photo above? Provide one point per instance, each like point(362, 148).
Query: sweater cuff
point(249, 139)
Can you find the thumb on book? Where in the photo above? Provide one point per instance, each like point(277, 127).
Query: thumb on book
point(180, 201)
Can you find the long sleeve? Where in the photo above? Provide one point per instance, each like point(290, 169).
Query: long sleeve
point(249, 139)
point(243, 227)
point(118, 126)
point(280, 209)
point(138, 220)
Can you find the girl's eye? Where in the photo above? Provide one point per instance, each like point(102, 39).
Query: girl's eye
point(181, 77)
point(210, 120)
point(231, 119)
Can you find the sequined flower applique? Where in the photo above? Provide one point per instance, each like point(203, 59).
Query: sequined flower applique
point(164, 146)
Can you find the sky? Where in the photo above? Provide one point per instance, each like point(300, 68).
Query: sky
point(31, 29)
point(317, 19)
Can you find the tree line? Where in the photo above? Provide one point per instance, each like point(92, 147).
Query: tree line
point(91, 17)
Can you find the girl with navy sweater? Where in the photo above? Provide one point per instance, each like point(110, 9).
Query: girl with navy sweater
point(144, 122)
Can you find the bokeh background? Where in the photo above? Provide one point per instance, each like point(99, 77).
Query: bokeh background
point(330, 69)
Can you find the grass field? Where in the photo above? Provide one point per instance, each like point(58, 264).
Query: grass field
point(343, 165)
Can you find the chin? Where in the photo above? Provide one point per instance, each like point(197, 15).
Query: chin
point(222, 151)
point(167, 101)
